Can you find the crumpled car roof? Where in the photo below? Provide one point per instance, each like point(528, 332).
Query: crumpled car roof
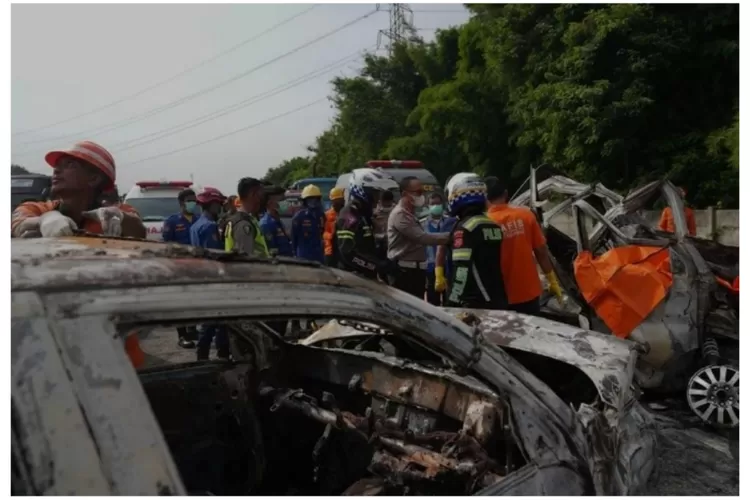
point(607, 361)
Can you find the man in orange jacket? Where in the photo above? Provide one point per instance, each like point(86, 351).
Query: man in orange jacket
point(666, 223)
point(523, 247)
point(82, 176)
point(337, 202)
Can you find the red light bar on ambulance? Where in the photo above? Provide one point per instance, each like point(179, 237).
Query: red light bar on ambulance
point(395, 164)
point(164, 184)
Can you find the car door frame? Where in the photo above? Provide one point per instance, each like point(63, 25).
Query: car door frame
point(546, 428)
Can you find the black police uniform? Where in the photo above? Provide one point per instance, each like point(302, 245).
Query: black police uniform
point(476, 277)
point(355, 244)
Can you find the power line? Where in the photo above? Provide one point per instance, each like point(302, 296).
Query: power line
point(174, 77)
point(122, 123)
point(441, 11)
point(155, 136)
point(233, 132)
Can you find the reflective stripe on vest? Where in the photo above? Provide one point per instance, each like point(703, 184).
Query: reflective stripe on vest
point(260, 248)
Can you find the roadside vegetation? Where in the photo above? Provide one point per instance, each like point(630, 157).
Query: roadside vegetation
point(620, 93)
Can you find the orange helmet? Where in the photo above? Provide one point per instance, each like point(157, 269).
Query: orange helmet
point(91, 153)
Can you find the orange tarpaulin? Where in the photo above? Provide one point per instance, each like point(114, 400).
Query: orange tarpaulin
point(133, 348)
point(624, 285)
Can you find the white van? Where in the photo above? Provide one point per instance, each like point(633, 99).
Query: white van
point(155, 201)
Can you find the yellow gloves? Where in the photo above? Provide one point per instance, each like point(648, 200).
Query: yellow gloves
point(440, 283)
point(554, 286)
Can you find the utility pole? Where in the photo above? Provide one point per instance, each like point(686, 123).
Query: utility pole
point(400, 25)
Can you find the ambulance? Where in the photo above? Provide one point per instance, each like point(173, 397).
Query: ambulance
point(155, 201)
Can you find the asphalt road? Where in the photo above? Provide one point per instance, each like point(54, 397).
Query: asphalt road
point(692, 460)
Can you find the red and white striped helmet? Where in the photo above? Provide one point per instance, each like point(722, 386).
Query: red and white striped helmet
point(91, 153)
point(209, 195)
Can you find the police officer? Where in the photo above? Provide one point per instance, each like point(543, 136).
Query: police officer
point(277, 240)
point(205, 234)
point(475, 242)
point(307, 226)
point(355, 242)
point(337, 203)
point(230, 207)
point(177, 230)
point(243, 233)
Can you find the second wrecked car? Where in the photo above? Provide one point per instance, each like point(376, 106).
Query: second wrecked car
point(666, 291)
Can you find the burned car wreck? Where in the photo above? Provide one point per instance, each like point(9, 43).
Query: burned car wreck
point(425, 403)
point(668, 292)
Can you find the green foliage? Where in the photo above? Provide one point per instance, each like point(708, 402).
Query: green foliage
point(289, 171)
point(616, 93)
point(18, 170)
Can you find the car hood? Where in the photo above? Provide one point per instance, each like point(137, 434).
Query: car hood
point(608, 361)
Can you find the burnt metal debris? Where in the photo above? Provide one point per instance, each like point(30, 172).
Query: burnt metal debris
point(428, 405)
point(690, 341)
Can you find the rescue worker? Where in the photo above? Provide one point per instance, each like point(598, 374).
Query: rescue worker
point(523, 246)
point(476, 278)
point(277, 240)
point(204, 233)
point(437, 221)
point(177, 227)
point(666, 222)
point(336, 196)
point(407, 239)
point(355, 242)
point(307, 226)
point(177, 230)
point(81, 176)
point(243, 233)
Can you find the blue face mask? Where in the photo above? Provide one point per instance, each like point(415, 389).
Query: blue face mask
point(436, 210)
point(191, 207)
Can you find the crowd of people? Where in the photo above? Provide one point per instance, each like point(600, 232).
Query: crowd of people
point(473, 250)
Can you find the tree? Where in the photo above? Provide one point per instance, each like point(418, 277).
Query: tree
point(18, 170)
point(615, 93)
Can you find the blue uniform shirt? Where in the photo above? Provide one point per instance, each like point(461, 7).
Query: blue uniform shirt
point(307, 234)
point(205, 233)
point(177, 228)
point(441, 225)
point(276, 237)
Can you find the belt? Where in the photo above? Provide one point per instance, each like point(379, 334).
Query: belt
point(412, 264)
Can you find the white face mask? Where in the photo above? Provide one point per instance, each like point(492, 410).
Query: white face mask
point(418, 201)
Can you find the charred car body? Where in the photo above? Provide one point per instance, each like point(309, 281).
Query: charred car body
point(444, 410)
point(690, 336)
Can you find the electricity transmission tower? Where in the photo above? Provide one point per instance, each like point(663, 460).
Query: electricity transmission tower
point(400, 25)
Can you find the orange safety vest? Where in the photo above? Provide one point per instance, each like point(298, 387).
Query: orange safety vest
point(329, 229)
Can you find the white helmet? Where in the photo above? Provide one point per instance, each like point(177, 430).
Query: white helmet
point(365, 185)
point(465, 189)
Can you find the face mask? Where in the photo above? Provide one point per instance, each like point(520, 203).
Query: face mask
point(313, 204)
point(386, 210)
point(283, 206)
point(190, 207)
point(418, 200)
point(436, 210)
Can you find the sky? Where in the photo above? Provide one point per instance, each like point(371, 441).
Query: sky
point(69, 60)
